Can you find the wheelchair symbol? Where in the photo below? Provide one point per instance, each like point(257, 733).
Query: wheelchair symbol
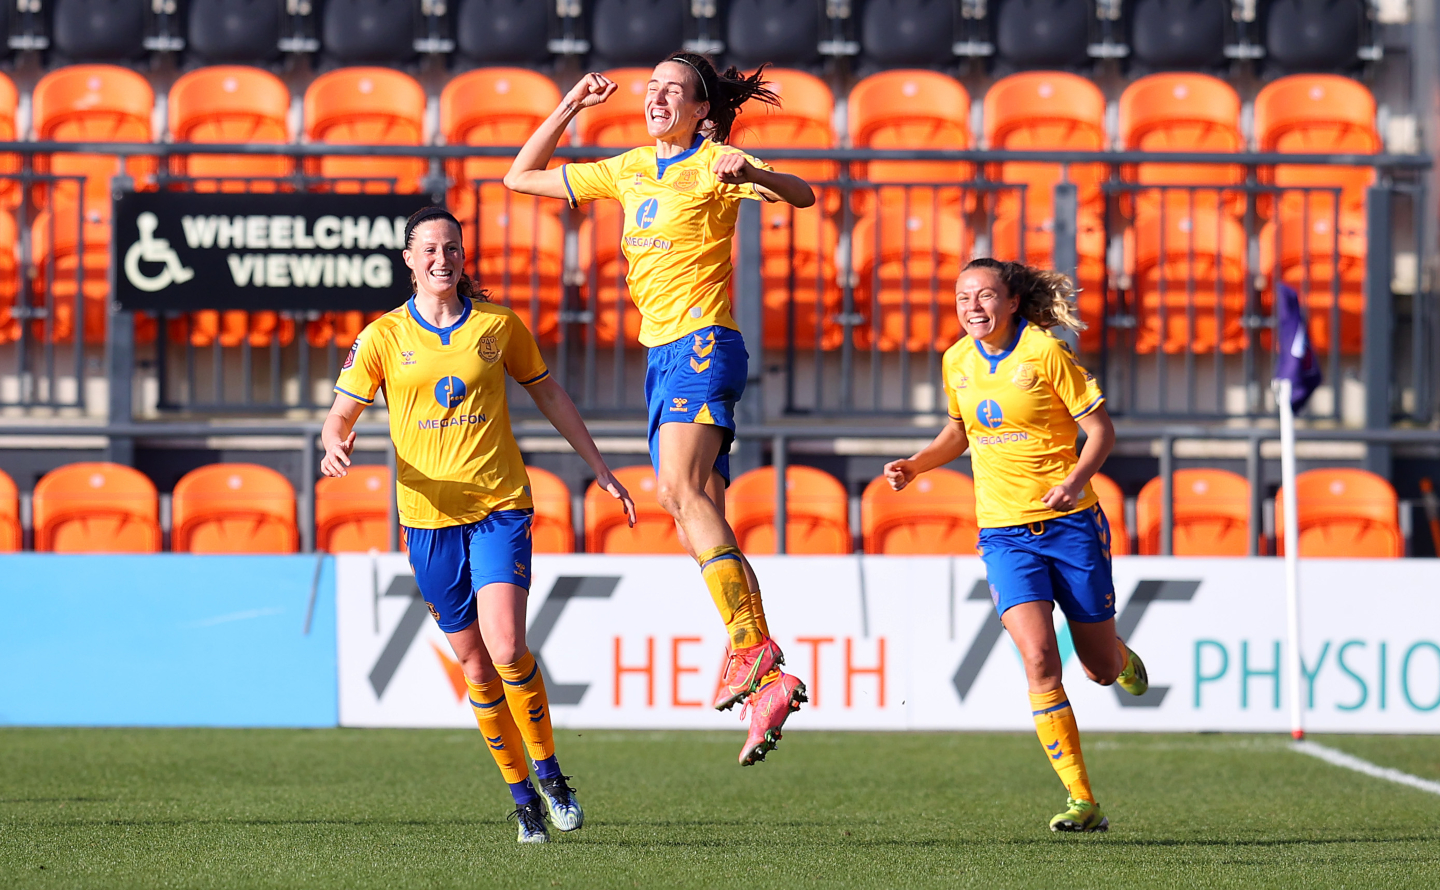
point(150, 249)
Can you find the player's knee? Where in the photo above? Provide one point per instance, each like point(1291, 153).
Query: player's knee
point(506, 650)
point(674, 495)
point(1041, 665)
point(478, 670)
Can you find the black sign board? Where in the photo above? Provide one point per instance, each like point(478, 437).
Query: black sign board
point(185, 251)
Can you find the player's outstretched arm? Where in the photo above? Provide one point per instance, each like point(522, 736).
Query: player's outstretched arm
point(950, 444)
point(528, 175)
point(1099, 439)
point(732, 168)
point(338, 435)
point(552, 400)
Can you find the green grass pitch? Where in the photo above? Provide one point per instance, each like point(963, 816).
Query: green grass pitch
point(389, 808)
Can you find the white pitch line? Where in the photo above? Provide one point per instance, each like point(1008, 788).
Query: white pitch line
point(1349, 761)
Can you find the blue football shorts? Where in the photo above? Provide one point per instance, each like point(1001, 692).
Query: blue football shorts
point(697, 379)
point(1065, 560)
point(451, 564)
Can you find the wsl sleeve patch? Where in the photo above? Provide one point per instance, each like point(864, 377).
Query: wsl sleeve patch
point(350, 359)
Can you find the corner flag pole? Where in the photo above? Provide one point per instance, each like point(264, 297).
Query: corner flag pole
point(1291, 534)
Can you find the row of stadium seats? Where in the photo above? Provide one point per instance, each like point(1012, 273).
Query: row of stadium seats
point(244, 508)
point(918, 236)
point(1293, 35)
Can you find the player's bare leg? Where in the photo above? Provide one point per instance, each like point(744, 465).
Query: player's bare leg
point(1106, 658)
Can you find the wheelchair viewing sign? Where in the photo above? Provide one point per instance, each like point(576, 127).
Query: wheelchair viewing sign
point(177, 251)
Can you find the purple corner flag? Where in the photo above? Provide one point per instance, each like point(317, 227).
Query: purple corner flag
point(1297, 357)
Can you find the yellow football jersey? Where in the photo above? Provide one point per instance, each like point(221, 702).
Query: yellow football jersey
point(445, 389)
point(679, 226)
point(1020, 409)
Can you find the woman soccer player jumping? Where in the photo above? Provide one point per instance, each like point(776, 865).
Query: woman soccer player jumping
point(681, 199)
point(463, 493)
point(1017, 399)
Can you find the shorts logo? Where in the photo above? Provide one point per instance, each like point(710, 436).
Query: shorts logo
point(449, 391)
point(490, 349)
point(433, 612)
point(520, 568)
point(703, 347)
point(350, 359)
point(989, 414)
point(678, 404)
point(645, 213)
point(1025, 376)
point(687, 179)
point(407, 358)
point(699, 367)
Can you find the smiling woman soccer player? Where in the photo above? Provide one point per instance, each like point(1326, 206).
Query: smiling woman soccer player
point(463, 493)
point(1017, 399)
point(681, 198)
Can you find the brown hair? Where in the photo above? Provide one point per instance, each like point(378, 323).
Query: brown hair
point(464, 287)
point(1047, 297)
point(726, 91)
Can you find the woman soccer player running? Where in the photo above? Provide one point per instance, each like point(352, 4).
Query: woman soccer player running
point(681, 199)
point(1017, 398)
point(463, 493)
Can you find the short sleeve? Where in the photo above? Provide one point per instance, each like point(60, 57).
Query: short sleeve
point(1076, 387)
point(362, 373)
point(591, 182)
point(745, 189)
point(522, 356)
point(950, 369)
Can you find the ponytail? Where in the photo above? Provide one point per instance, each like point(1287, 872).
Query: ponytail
point(725, 92)
point(1047, 298)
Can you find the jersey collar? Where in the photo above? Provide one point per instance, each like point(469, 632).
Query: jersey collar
point(999, 357)
point(442, 333)
point(662, 164)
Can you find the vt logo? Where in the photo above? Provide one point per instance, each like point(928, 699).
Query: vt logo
point(1146, 592)
point(566, 588)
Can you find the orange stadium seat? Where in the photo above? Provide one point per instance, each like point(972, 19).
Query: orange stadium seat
point(606, 528)
point(337, 328)
point(1112, 501)
point(230, 104)
point(603, 268)
point(1212, 514)
point(367, 106)
point(1186, 260)
point(9, 277)
point(1318, 114)
point(63, 252)
point(515, 249)
point(492, 106)
point(803, 120)
point(817, 511)
point(352, 512)
point(911, 109)
point(797, 248)
point(1183, 112)
point(233, 508)
point(1046, 110)
point(935, 514)
point(9, 163)
point(906, 266)
point(1344, 513)
point(1039, 251)
point(96, 508)
point(553, 529)
point(1314, 267)
point(92, 103)
point(620, 122)
point(11, 535)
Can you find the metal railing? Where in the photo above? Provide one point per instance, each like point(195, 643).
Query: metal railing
point(780, 441)
point(861, 330)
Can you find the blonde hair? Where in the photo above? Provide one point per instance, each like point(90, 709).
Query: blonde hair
point(1047, 298)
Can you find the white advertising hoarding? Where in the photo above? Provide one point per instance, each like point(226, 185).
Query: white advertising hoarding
point(914, 643)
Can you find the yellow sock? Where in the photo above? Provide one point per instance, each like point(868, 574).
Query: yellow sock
point(502, 736)
point(725, 577)
point(1055, 725)
point(525, 691)
point(757, 608)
